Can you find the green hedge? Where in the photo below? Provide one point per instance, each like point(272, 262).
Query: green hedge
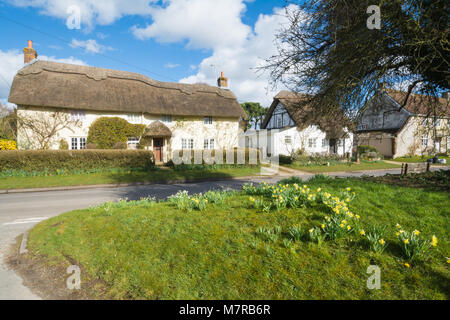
point(366, 149)
point(52, 160)
point(213, 154)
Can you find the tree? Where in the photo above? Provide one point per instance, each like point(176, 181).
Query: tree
point(8, 128)
point(40, 130)
point(255, 113)
point(328, 51)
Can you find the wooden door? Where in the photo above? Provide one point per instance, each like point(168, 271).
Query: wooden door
point(158, 149)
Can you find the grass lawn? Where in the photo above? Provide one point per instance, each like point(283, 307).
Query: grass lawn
point(421, 159)
point(344, 167)
point(147, 250)
point(158, 175)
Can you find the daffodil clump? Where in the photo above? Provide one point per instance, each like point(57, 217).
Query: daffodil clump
point(376, 238)
point(184, 201)
point(414, 246)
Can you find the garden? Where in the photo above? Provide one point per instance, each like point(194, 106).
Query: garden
point(292, 240)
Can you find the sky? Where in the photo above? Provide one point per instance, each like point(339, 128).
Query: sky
point(189, 41)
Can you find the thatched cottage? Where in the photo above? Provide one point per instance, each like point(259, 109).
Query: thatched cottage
point(421, 126)
point(177, 116)
point(290, 125)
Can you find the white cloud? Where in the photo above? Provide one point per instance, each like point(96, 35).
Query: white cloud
point(203, 23)
point(171, 65)
point(93, 12)
point(240, 63)
point(90, 46)
point(11, 61)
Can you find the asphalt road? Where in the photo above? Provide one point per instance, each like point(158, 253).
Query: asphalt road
point(21, 211)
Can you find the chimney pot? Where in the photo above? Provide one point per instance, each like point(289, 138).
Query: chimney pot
point(222, 82)
point(29, 54)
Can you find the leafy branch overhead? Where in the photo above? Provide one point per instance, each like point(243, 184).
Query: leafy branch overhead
point(328, 51)
point(255, 113)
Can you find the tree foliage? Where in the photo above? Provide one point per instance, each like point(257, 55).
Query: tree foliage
point(255, 113)
point(328, 51)
point(8, 129)
point(106, 132)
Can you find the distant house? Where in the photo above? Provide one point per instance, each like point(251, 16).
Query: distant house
point(397, 131)
point(290, 126)
point(177, 116)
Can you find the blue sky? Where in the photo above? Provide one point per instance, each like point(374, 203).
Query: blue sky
point(173, 40)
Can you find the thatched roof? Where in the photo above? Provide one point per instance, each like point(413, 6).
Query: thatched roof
point(51, 84)
point(331, 121)
point(419, 104)
point(157, 129)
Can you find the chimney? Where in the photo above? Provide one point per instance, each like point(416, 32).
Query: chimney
point(222, 82)
point(29, 54)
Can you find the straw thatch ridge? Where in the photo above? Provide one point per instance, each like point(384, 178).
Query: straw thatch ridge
point(157, 129)
point(419, 104)
point(332, 123)
point(60, 85)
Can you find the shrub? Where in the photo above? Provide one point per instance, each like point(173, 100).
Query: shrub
point(105, 132)
point(63, 145)
point(120, 145)
point(7, 144)
point(366, 149)
point(72, 160)
point(285, 159)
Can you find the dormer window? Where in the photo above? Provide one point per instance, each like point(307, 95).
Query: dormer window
point(134, 118)
point(167, 118)
point(207, 120)
point(78, 115)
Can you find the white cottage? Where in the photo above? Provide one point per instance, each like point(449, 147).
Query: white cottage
point(288, 127)
point(177, 116)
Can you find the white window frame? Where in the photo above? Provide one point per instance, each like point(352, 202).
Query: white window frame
point(133, 140)
point(424, 141)
point(77, 115)
point(325, 143)
point(208, 144)
point(208, 120)
point(78, 143)
point(312, 142)
point(187, 144)
point(134, 118)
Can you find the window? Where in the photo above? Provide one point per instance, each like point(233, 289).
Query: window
point(77, 116)
point(340, 143)
point(288, 139)
point(312, 143)
point(425, 122)
point(437, 122)
point(78, 143)
point(279, 120)
point(133, 140)
point(207, 120)
point(167, 118)
point(424, 141)
point(187, 143)
point(324, 143)
point(134, 118)
point(208, 144)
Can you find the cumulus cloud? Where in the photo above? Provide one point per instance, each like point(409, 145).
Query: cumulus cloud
point(240, 64)
point(89, 46)
point(93, 12)
point(203, 23)
point(11, 61)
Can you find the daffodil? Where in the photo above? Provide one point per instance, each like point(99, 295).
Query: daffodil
point(349, 189)
point(406, 241)
point(382, 242)
point(407, 265)
point(434, 241)
point(416, 232)
point(323, 226)
point(348, 227)
point(398, 226)
point(311, 230)
point(362, 232)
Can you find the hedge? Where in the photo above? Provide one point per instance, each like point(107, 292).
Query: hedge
point(365, 149)
point(184, 153)
point(72, 160)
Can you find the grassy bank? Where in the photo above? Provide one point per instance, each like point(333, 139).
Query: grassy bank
point(416, 159)
point(344, 167)
point(239, 246)
point(157, 175)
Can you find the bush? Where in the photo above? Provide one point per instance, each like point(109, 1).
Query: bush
point(366, 149)
point(210, 160)
point(105, 132)
point(120, 145)
point(73, 160)
point(63, 145)
point(7, 144)
point(285, 159)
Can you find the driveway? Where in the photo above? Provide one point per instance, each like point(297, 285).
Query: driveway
point(19, 212)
